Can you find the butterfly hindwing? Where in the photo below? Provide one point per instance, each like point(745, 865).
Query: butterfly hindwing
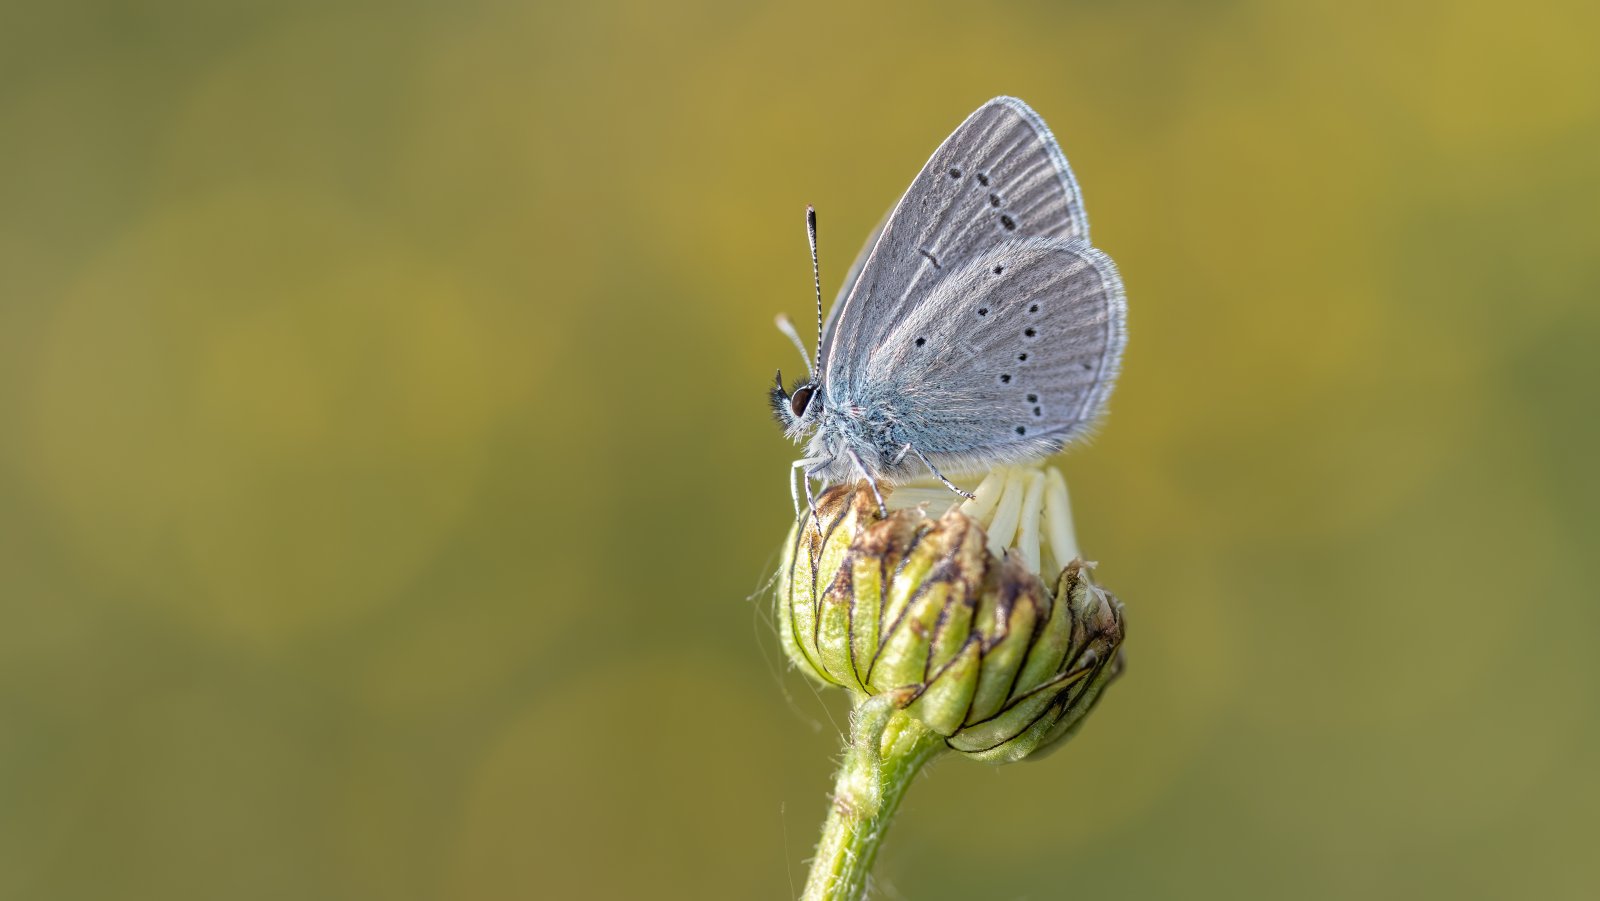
point(1010, 357)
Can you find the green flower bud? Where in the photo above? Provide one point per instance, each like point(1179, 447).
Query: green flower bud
point(983, 624)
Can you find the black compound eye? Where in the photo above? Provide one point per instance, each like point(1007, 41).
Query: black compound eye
point(801, 399)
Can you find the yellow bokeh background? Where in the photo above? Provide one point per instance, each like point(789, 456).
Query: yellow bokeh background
point(387, 492)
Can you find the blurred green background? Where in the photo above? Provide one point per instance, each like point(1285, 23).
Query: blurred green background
point(386, 488)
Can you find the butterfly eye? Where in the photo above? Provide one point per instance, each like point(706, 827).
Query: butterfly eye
point(801, 399)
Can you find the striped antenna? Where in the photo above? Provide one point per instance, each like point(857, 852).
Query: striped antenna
point(816, 278)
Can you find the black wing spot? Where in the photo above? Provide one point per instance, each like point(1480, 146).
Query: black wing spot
point(1033, 398)
point(955, 173)
point(1038, 411)
point(1022, 358)
point(983, 179)
point(1022, 430)
point(1034, 308)
point(1005, 379)
point(1088, 366)
point(1008, 222)
point(999, 269)
point(994, 200)
point(921, 341)
point(983, 311)
point(1030, 332)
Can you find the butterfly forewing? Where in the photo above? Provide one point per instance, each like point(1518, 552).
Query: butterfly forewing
point(999, 177)
point(852, 277)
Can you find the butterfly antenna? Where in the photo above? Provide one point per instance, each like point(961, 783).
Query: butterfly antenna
point(816, 278)
point(787, 327)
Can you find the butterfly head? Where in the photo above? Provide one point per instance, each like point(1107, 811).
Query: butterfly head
point(799, 408)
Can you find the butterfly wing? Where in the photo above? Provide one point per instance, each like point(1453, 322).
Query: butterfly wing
point(1008, 358)
point(1000, 176)
point(853, 276)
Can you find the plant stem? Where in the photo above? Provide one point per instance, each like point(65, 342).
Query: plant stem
point(887, 748)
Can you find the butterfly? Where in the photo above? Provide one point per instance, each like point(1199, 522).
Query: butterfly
point(977, 327)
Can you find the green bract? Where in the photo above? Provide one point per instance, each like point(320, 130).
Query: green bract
point(955, 627)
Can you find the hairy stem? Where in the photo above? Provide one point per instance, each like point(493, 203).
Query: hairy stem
point(887, 748)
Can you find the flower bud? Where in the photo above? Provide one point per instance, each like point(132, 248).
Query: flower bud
point(949, 616)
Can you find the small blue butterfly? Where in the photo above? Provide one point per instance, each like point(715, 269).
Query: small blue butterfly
point(977, 327)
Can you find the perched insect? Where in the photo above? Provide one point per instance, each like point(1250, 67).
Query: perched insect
point(977, 327)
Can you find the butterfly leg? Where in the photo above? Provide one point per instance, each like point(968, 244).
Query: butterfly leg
point(800, 468)
point(937, 474)
point(811, 501)
point(883, 509)
point(794, 487)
